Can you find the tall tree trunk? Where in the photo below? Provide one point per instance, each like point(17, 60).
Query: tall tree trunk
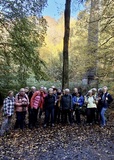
point(65, 76)
point(93, 38)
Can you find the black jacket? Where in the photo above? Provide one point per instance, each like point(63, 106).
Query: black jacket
point(106, 100)
point(66, 102)
point(49, 101)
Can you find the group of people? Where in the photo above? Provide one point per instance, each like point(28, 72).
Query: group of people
point(56, 105)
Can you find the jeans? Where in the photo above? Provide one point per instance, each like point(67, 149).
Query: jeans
point(103, 119)
point(6, 124)
point(48, 112)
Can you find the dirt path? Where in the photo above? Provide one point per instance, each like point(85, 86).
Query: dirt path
point(68, 142)
point(60, 143)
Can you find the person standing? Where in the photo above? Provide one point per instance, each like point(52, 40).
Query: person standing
point(21, 107)
point(8, 111)
point(99, 106)
point(35, 104)
point(67, 107)
point(106, 100)
point(91, 107)
point(42, 95)
point(49, 107)
point(74, 94)
point(30, 94)
point(57, 107)
point(78, 102)
point(27, 90)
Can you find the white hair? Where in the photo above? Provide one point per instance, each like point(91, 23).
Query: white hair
point(67, 90)
point(53, 87)
point(50, 89)
point(45, 88)
point(22, 90)
point(33, 87)
point(105, 87)
point(41, 87)
point(90, 91)
point(94, 89)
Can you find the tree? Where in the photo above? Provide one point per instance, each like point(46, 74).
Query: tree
point(22, 34)
point(90, 44)
point(65, 77)
point(106, 40)
point(93, 41)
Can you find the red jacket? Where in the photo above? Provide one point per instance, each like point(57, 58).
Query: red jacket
point(36, 100)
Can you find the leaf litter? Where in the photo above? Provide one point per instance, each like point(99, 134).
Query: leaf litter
point(60, 143)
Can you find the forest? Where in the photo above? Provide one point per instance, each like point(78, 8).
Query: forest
point(71, 51)
point(31, 46)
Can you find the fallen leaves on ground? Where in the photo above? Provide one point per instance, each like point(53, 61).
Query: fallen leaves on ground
point(60, 143)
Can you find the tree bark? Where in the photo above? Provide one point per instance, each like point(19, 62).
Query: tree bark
point(65, 76)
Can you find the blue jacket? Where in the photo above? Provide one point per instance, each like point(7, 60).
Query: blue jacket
point(80, 100)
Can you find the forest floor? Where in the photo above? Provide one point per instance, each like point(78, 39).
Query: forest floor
point(60, 143)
